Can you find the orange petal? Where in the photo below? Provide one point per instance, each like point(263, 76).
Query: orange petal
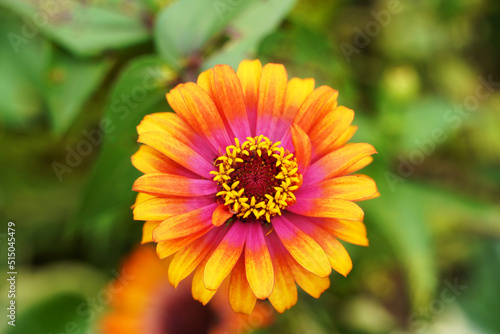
point(358, 165)
point(272, 90)
point(147, 231)
point(152, 123)
point(205, 82)
point(296, 92)
point(345, 137)
point(309, 282)
point(302, 146)
point(176, 101)
point(375, 195)
point(336, 162)
point(161, 208)
point(259, 267)
point(166, 122)
point(336, 253)
point(221, 215)
point(149, 160)
point(313, 104)
point(174, 126)
point(166, 248)
point(141, 197)
point(351, 231)
point(249, 73)
point(198, 289)
point(188, 109)
point(225, 256)
point(241, 296)
point(160, 184)
point(284, 293)
point(230, 100)
point(183, 263)
point(208, 120)
point(179, 152)
point(328, 208)
point(302, 247)
point(325, 132)
point(350, 188)
point(185, 224)
point(116, 322)
point(330, 105)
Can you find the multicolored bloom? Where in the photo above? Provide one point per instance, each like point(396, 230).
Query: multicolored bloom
point(251, 181)
point(143, 301)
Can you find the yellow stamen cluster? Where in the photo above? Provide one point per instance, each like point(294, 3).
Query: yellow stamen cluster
point(257, 178)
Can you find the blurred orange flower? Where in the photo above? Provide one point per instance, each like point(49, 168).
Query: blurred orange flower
point(143, 301)
point(251, 181)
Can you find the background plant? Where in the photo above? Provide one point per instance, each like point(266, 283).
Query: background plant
point(422, 77)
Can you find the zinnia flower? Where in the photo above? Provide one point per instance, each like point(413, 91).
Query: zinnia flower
point(250, 180)
point(144, 302)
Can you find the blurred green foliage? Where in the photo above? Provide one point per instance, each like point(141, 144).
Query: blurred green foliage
point(422, 76)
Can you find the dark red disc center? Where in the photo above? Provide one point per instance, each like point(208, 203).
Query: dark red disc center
point(257, 175)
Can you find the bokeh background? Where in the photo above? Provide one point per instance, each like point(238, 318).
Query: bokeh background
point(423, 77)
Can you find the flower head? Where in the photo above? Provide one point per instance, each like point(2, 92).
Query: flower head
point(251, 181)
point(143, 301)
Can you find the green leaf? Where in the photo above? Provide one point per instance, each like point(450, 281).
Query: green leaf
point(248, 29)
point(480, 300)
point(20, 98)
point(70, 83)
point(409, 216)
point(308, 53)
point(400, 218)
point(423, 120)
point(409, 126)
point(84, 29)
point(57, 314)
point(140, 90)
point(183, 29)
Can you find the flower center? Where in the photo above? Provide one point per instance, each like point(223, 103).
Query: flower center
point(178, 312)
point(257, 179)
